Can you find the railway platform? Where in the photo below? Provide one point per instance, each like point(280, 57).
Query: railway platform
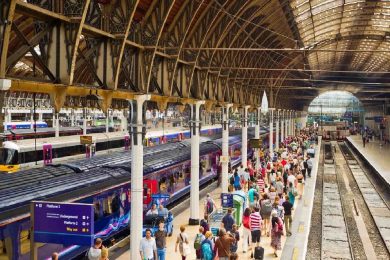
point(293, 247)
point(375, 153)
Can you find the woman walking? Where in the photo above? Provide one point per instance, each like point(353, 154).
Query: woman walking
point(183, 243)
point(276, 232)
point(246, 230)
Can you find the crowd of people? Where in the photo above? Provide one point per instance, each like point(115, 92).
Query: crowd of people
point(272, 184)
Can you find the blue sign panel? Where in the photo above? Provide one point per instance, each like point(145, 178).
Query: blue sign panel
point(63, 223)
point(227, 200)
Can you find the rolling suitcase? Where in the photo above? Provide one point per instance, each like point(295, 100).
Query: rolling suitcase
point(259, 253)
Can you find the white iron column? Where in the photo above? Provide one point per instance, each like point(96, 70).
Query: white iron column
point(57, 128)
point(40, 117)
point(72, 116)
point(137, 153)
point(195, 132)
point(257, 123)
point(85, 121)
point(123, 121)
point(291, 122)
point(32, 119)
point(277, 129)
point(107, 120)
point(244, 134)
point(271, 131)
point(225, 145)
point(282, 126)
point(54, 118)
point(257, 136)
point(286, 124)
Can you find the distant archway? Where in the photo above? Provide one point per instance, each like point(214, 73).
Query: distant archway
point(336, 106)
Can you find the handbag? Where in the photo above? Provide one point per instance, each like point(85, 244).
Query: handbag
point(226, 252)
point(186, 247)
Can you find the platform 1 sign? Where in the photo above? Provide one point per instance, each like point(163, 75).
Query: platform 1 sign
point(63, 223)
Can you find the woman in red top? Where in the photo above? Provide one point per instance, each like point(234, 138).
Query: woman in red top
point(246, 230)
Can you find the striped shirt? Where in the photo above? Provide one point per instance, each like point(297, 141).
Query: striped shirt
point(255, 221)
point(261, 184)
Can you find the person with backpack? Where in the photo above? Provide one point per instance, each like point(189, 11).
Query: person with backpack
point(205, 224)
point(266, 208)
point(234, 247)
point(207, 247)
point(276, 232)
point(252, 194)
point(209, 204)
point(198, 243)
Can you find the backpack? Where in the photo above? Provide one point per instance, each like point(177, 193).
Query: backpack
point(207, 253)
point(231, 180)
point(305, 165)
point(266, 208)
point(205, 226)
point(198, 242)
point(209, 206)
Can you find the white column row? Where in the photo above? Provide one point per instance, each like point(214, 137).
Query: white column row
point(195, 136)
point(225, 146)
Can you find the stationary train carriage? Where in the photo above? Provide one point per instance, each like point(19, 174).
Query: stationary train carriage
point(105, 182)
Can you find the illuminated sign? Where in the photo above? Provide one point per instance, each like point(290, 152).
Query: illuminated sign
point(63, 223)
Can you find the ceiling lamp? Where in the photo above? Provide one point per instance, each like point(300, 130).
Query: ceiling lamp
point(264, 104)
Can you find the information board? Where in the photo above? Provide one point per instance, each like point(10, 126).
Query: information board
point(227, 200)
point(63, 223)
point(255, 143)
point(85, 139)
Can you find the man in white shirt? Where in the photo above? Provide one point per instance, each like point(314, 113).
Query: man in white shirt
point(96, 250)
point(147, 247)
point(291, 179)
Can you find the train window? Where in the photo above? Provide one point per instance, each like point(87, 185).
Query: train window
point(3, 251)
point(107, 206)
point(24, 241)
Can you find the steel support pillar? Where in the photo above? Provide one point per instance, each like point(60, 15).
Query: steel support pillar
point(282, 126)
point(271, 131)
point(123, 122)
point(72, 117)
point(85, 112)
point(277, 129)
point(137, 130)
point(286, 124)
point(257, 135)
point(107, 121)
point(225, 146)
point(40, 117)
point(195, 135)
point(32, 119)
point(244, 134)
point(291, 123)
point(57, 128)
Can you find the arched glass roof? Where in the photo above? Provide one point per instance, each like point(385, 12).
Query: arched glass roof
point(335, 103)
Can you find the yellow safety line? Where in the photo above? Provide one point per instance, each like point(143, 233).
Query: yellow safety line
point(295, 253)
point(301, 228)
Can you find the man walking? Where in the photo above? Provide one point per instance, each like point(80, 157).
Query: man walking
point(148, 248)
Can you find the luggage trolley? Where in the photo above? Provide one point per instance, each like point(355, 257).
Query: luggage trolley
point(215, 218)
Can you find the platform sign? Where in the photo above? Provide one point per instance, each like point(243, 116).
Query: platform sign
point(85, 139)
point(255, 143)
point(227, 200)
point(63, 223)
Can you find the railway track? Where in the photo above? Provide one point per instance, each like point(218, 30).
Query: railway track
point(336, 242)
point(375, 208)
point(329, 230)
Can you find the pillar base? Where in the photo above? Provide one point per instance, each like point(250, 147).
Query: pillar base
point(193, 222)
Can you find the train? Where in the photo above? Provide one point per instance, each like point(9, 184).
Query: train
point(103, 181)
point(15, 153)
point(24, 125)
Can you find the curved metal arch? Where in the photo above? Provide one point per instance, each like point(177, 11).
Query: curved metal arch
point(123, 43)
point(75, 46)
point(164, 7)
point(191, 73)
point(182, 40)
point(221, 39)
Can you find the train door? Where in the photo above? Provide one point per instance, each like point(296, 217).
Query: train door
point(150, 188)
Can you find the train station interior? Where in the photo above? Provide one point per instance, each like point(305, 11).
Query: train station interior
point(194, 129)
